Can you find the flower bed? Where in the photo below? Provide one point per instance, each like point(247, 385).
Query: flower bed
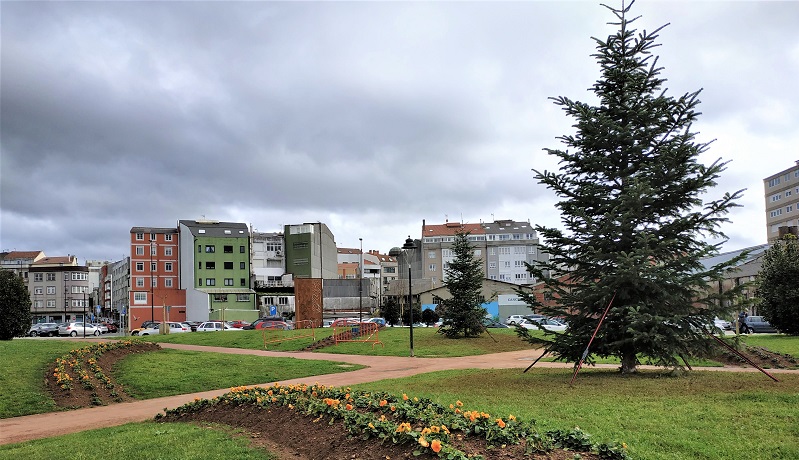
point(78, 378)
point(422, 427)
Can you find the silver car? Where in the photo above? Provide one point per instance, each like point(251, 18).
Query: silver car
point(77, 328)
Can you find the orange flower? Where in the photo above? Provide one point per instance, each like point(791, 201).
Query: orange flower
point(404, 397)
point(393, 408)
point(458, 403)
point(500, 423)
point(349, 407)
point(383, 403)
point(436, 446)
point(423, 442)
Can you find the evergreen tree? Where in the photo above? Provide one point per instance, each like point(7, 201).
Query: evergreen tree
point(429, 316)
point(777, 289)
point(417, 314)
point(630, 185)
point(391, 311)
point(463, 313)
point(15, 306)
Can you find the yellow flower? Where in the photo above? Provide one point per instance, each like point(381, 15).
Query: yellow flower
point(458, 403)
point(371, 425)
point(511, 417)
point(624, 445)
point(423, 442)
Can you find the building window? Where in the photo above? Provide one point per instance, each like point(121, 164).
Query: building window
point(168, 252)
point(241, 249)
point(80, 276)
point(38, 291)
point(789, 208)
point(243, 265)
point(228, 249)
point(282, 300)
point(210, 281)
point(200, 282)
point(51, 289)
point(776, 197)
point(243, 282)
point(228, 281)
point(492, 251)
point(37, 304)
point(531, 250)
point(152, 236)
point(153, 281)
point(776, 213)
point(220, 297)
point(507, 264)
point(521, 276)
point(432, 267)
point(478, 252)
point(774, 182)
point(210, 265)
point(300, 245)
point(38, 277)
point(210, 248)
point(139, 266)
point(431, 254)
point(242, 297)
point(139, 250)
point(153, 250)
point(492, 265)
point(505, 250)
point(139, 297)
point(51, 277)
point(140, 237)
point(168, 237)
point(228, 265)
point(168, 267)
point(199, 248)
point(51, 303)
point(168, 282)
point(153, 266)
point(139, 282)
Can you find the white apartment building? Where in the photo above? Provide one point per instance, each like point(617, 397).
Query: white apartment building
point(503, 246)
point(782, 203)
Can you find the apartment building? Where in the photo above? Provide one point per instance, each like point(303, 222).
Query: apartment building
point(116, 289)
point(310, 251)
point(155, 291)
point(268, 261)
point(215, 270)
point(503, 247)
point(59, 289)
point(19, 262)
point(782, 203)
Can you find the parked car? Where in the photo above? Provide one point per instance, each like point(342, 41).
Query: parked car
point(174, 328)
point(274, 324)
point(381, 322)
point(254, 324)
point(211, 326)
point(724, 325)
point(490, 324)
point(756, 324)
point(513, 320)
point(111, 327)
point(145, 325)
point(193, 324)
point(44, 330)
point(327, 322)
point(102, 327)
point(238, 323)
point(342, 322)
point(77, 328)
point(543, 323)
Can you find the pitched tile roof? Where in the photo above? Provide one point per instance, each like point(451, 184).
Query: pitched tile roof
point(451, 228)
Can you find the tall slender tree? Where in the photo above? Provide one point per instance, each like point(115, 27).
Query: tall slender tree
point(463, 313)
point(630, 186)
point(15, 305)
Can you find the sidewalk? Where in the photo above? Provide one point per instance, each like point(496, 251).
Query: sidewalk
point(39, 426)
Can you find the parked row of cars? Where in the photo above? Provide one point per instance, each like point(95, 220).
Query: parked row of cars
point(73, 328)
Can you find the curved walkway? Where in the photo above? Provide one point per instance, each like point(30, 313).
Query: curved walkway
point(39, 426)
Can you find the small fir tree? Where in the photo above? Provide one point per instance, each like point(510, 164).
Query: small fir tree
point(777, 291)
point(15, 306)
point(391, 311)
point(631, 188)
point(463, 312)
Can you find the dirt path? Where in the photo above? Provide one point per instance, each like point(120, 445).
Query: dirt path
point(39, 426)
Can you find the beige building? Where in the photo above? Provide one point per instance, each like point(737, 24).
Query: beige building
point(782, 203)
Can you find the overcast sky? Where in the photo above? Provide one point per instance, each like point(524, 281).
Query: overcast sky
point(369, 117)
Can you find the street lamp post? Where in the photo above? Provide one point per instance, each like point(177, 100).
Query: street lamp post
point(360, 285)
point(408, 248)
point(84, 313)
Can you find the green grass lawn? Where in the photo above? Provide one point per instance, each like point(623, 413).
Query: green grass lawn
point(173, 441)
point(395, 342)
point(173, 372)
point(778, 343)
point(23, 363)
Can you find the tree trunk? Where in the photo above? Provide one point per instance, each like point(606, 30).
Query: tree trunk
point(629, 363)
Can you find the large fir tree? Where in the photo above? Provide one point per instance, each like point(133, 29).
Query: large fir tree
point(463, 312)
point(631, 186)
point(777, 291)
